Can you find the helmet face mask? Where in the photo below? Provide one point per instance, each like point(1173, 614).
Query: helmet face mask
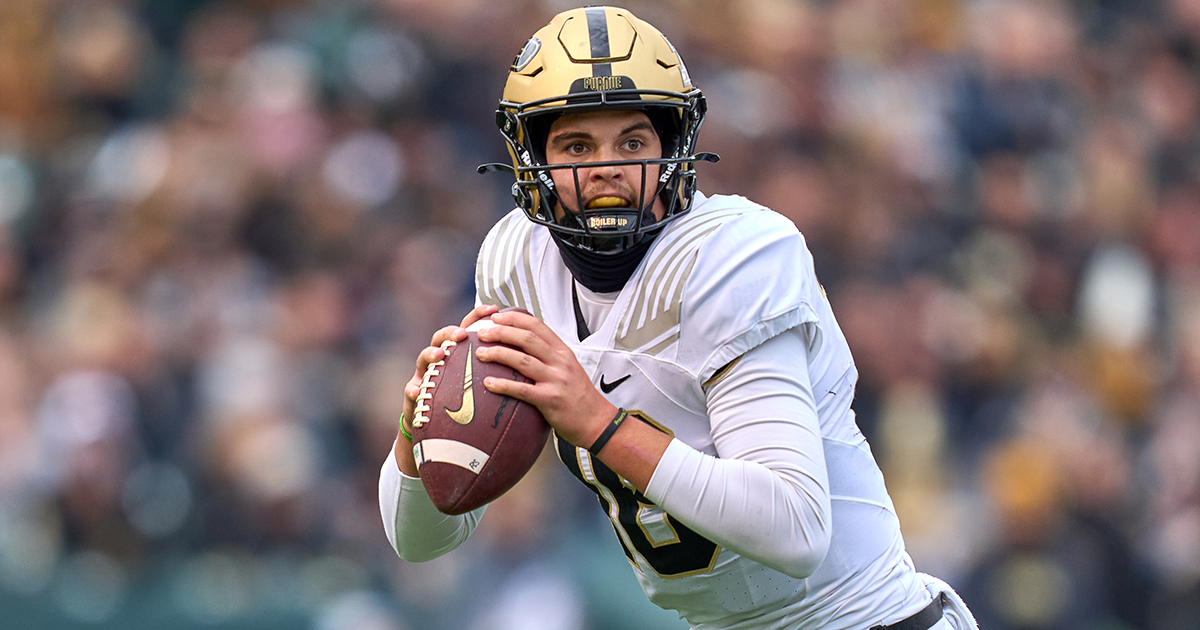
point(600, 59)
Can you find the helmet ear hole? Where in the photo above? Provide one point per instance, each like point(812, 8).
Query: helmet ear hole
point(507, 122)
point(523, 199)
point(667, 125)
point(538, 129)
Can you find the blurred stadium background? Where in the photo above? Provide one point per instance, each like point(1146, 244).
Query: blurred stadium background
point(226, 228)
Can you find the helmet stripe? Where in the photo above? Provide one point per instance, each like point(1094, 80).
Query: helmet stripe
point(597, 21)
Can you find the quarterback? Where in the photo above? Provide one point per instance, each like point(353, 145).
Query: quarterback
point(682, 350)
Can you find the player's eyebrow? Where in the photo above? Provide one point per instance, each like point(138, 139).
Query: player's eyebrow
point(641, 125)
point(567, 136)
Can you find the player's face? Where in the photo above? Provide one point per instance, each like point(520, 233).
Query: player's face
point(604, 137)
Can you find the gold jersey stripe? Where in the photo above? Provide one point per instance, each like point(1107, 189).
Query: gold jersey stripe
point(508, 253)
point(486, 283)
point(664, 323)
point(721, 373)
point(672, 255)
point(535, 306)
point(655, 308)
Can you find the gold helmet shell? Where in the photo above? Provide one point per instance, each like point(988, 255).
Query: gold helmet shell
point(595, 58)
point(595, 49)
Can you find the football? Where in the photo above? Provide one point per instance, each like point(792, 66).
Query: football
point(472, 445)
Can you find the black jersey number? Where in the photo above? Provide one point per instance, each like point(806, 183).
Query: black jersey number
point(668, 546)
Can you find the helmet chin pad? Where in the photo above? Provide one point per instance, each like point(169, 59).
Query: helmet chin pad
point(606, 229)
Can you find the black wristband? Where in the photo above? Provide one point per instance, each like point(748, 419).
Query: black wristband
point(612, 427)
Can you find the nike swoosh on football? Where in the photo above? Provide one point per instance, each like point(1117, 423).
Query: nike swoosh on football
point(608, 387)
point(466, 409)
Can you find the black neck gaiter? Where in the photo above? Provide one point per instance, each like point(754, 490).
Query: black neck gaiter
point(603, 273)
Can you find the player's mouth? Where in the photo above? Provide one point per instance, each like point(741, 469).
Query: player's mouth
point(608, 201)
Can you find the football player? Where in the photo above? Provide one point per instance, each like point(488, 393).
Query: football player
point(682, 350)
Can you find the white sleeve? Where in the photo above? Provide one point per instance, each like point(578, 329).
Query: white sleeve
point(416, 529)
point(766, 496)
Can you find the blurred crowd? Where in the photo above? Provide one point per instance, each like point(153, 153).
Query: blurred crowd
point(227, 227)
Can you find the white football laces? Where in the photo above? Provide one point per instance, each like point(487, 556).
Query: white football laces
point(427, 385)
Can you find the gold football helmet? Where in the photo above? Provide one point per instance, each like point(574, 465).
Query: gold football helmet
point(597, 58)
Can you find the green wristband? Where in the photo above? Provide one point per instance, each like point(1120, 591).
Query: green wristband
point(404, 431)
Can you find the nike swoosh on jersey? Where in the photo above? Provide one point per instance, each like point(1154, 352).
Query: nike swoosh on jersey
point(608, 387)
point(466, 409)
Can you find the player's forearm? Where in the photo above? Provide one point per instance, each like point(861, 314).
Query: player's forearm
point(403, 452)
point(767, 494)
point(415, 528)
point(634, 451)
point(747, 508)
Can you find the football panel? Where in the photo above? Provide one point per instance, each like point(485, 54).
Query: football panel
point(449, 470)
point(516, 453)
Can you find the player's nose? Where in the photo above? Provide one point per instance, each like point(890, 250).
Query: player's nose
point(604, 173)
point(602, 170)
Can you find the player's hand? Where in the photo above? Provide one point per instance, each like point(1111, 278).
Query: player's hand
point(561, 389)
point(430, 354)
point(435, 353)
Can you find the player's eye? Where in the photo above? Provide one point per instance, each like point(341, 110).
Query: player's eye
point(576, 148)
point(634, 144)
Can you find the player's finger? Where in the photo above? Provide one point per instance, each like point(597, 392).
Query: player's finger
point(521, 319)
point(412, 389)
point(522, 362)
point(478, 313)
point(424, 359)
point(429, 355)
point(526, 340)
point(448, 333)
point(516, 389)
point(541, 342)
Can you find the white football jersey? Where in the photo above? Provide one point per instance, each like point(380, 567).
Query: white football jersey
point(718, 282)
